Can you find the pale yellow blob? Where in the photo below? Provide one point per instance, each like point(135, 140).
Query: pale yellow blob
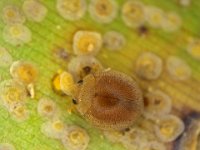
point(34, 10)
point(71, 9)
point(133, 13)
point(87, 42)
point(16, 34)
point(103, 11)
point(75, 138)
point(12, 14)
point(24, 72)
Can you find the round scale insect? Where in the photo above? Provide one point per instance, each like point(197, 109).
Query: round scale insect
point(71, 9)
point(24, 72)
point(12, 92)
point(34, 10)
point(53, 128)
point(114, 40)
point(178, 69)
point(133, 13)
point(157, 103)
point(19, 112)
point(154, 16)
point(168, 128)
point(11, 15)
point(16, 34)
point(75, 138)
point(109, 99)
point(81, 66)
point(149, 66)
point(87, 42)
point(103, 11)
point(172, 22)
point(47, 108)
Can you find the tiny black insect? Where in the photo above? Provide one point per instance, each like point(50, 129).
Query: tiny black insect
point(80, 81)
point(74, 101)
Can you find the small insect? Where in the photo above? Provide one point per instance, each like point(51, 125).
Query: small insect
point(71, 9)
point(109, 99)
point(103, 11)
point(34, 10)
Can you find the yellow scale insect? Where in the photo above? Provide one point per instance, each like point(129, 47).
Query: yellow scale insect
point(87, 43)
point(24, 72)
